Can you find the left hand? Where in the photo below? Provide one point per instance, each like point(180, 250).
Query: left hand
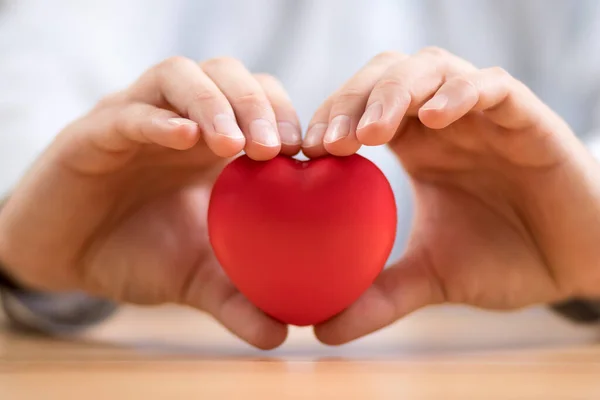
point(507, 198)
point(116, 206)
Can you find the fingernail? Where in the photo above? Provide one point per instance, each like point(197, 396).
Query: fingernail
point(181, 121)
point(338, 129)
point(314, 136)
point(289, 133)
point(262, 132)
point(372, 114)
point(226, 125)
point(438, 102)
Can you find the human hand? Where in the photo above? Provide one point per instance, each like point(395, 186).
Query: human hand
point(507, 199)
point(116, 206)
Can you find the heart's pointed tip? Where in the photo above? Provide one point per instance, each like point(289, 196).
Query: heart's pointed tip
point(307, 319)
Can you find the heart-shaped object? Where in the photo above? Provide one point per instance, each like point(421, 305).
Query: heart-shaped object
point(302, 240)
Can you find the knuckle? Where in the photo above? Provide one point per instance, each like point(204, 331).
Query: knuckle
point(250, 98)
point(435, 51)
point(202, 95)
point(220, 62)
point(347, 100)
point(111, 100)
point(463, 83)
point(174, 62)
point(125, 120)
point(264, 78)
point(501, 74)
point(502, 79)
point(388, 55)
point(256, 334)
point(498, 71)
point(350, 94)
point(169, 67)
point(392, 84)
point(155, 113)
point(394, 88)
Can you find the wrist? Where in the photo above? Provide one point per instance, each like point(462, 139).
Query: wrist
point(50, 313)
point(6, 279)
point(9, 275)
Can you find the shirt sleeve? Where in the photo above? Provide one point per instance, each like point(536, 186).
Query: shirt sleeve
point(53, 314)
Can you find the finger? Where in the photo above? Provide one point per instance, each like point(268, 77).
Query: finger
point(251, 106)
point(397, 292)
point(402, 89)
point(179, 83)
point(313, 145)
point(109, 137)
point(349, 104)
point(288, 123)
point(505, 101)
point(117, 128)
point(216, 295)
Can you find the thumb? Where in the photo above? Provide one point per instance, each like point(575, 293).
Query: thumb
point(399, 290)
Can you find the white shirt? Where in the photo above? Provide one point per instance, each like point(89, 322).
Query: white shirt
point(57, 58)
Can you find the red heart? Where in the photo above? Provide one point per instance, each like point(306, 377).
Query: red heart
point(302, 240)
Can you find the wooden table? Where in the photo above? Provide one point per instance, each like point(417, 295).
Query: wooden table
point(438, 353)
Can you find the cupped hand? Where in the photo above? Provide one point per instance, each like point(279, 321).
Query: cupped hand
point(507, 199)
point(116, 206)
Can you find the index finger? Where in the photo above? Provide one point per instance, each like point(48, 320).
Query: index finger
point(402, 89)
point(180, 84)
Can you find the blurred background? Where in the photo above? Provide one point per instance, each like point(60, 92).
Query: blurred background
point(58, 57)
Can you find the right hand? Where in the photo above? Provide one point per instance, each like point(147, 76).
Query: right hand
point(116, 206)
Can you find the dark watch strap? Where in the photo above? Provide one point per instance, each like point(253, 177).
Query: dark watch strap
point(579, 311)
point(7, 282)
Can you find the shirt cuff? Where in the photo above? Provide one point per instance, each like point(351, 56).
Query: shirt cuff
point(54, 314)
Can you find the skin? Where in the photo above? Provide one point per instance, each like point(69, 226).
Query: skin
point(116, 206)
point(507, 198)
